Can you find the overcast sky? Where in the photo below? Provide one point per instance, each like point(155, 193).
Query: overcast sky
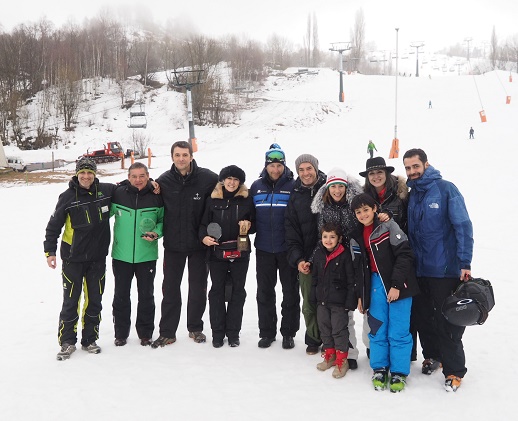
point(437, 23)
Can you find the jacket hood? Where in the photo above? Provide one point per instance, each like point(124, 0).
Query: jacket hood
point(217, 193)
point(353, 189)
point(402, 188)
point(429, 176)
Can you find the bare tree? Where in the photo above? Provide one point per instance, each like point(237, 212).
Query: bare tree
point(493, 55)
point(307, 42)
point(316, 46)
point(358, 41)
point(68, 96)
point(512, 46)
point(279, 51)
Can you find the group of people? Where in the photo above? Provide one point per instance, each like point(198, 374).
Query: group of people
point(393, 248)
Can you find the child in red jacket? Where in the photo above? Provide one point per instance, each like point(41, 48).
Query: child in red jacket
point(333, 291)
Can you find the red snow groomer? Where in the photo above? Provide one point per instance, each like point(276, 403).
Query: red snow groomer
point(111, 152)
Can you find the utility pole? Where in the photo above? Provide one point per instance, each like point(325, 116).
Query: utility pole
point(417, 45)
point(340, 47)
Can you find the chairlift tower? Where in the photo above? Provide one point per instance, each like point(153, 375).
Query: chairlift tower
point(417, 45)
point(340, 47)
point(187, 79)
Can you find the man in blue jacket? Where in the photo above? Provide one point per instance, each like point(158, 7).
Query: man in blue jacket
point(441, 236)
point(271, 193)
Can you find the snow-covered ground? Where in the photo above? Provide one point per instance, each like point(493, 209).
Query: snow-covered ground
point(195, 381)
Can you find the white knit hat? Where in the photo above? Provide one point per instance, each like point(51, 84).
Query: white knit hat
point(336, 176)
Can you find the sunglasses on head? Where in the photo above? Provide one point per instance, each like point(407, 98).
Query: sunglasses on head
point(274, 156)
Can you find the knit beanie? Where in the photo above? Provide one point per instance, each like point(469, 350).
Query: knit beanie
point(336, 176)
point(86, 164)
point(274, 154)
point(305, 157)
point(232, 171)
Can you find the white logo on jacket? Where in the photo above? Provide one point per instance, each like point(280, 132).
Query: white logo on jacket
point(434, 206)
point(197, 197)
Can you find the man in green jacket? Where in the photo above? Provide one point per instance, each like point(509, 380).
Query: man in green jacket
point(138, 225)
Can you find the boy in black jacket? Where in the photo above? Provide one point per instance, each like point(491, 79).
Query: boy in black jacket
point(386, 282)
point(333, 290)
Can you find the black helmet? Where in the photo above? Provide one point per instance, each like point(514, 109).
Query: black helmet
point(463, 311)
point(470, 303)
point(86, 164)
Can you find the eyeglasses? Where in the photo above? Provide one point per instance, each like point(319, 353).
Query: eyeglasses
point(274, 156)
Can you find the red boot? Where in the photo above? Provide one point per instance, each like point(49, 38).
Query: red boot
point(341, 364)
point(329, 360)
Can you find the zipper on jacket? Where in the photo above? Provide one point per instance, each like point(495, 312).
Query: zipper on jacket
point(374, 258)
point(135, 228)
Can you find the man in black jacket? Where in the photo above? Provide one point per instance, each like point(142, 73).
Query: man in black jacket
point(84, 210)
point(302, 238)
point(185, 188)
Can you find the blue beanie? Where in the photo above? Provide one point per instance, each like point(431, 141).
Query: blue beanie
point(274, 154)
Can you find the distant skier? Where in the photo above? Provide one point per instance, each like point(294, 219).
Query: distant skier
point(371, 147)
point(430, 104)
point(471, 133)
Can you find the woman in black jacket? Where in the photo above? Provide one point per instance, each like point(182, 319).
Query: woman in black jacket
point(231, 207)
point(389, 191)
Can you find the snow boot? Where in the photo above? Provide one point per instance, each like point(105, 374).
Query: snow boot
point(65, 352)
point(329, 360)
point(341, 364)
point(93, 348)
point(380, 379)
point(430, 365)
point(397, 382)
point(452, 383)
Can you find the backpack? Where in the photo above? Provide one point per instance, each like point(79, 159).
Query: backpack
point(470, 303)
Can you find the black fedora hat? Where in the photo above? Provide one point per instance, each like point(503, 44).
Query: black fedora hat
point(376, 163)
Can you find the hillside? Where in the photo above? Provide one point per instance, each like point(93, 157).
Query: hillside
point(193, 381)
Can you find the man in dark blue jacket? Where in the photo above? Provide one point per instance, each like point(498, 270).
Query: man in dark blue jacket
point(441, 236)
point(271, 193)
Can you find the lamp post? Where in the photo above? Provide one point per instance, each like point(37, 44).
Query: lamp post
point(397, 74)
point(340, 47)
point(394, 150)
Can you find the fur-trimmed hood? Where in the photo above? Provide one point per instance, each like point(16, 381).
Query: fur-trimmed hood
point(353, 189)
point(217, 193)
point(402, 188)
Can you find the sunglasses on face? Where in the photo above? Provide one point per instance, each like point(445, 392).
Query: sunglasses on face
point(274, 156)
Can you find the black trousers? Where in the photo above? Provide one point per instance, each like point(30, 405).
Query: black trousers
point(89, 276)
point(174, 265)
point(439, 338)
point(226, 320)
point(145, 273)
point(267, 265)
